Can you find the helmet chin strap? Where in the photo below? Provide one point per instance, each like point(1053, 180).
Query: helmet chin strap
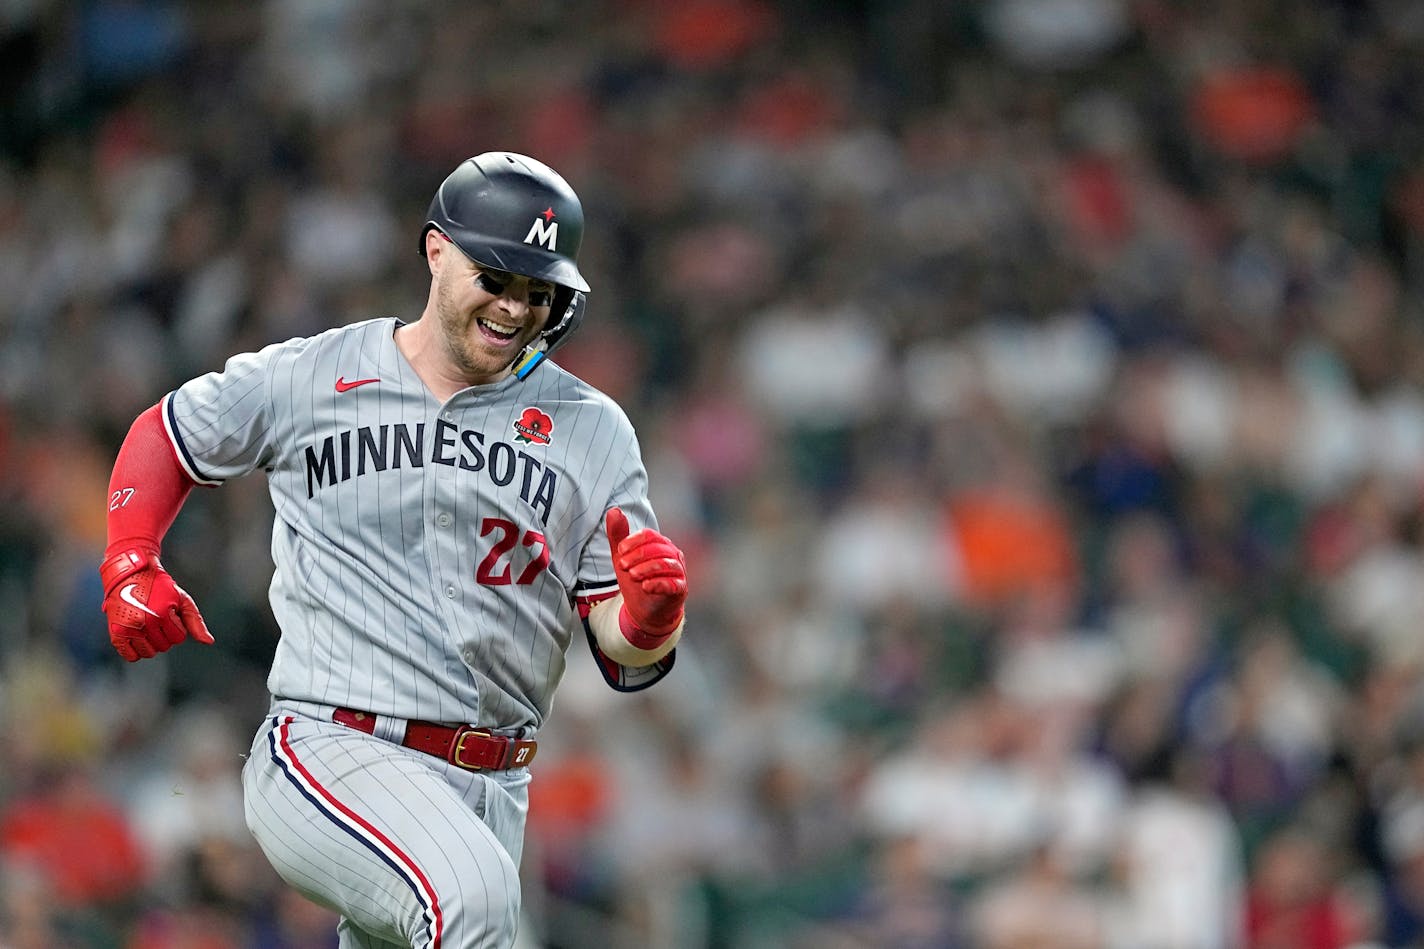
point(533, 355)
point(530, 359)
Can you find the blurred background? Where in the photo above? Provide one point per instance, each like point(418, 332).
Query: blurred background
point(1034, 385)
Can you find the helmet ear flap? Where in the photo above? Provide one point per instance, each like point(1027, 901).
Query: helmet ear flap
point(568, 304)
point(565, 315)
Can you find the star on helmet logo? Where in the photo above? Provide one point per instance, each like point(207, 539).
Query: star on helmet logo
point(548, 214)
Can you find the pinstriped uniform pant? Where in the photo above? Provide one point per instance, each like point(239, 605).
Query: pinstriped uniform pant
point(410, 850)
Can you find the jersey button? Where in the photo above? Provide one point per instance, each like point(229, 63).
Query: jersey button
point(443, 520)
point(450, 592)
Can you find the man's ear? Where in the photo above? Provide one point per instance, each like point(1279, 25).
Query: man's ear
point(435, 247)
point(437, 250)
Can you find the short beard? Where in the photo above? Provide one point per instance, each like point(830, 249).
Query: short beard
point(456, 336)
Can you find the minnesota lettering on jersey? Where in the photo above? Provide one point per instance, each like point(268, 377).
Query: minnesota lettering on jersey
point(393, 446)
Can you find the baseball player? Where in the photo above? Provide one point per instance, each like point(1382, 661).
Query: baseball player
point(450, 511)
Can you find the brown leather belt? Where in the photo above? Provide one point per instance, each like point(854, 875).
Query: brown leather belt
point(464, 746)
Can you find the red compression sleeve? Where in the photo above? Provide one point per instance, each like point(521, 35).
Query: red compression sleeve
point(148, 486)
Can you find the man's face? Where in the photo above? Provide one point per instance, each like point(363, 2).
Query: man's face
point(486, 316)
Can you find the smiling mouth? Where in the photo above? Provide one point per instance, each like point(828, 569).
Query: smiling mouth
point(497, 332)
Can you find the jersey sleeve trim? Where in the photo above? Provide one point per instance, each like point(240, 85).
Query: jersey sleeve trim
point(180, 450)
point(590, 593)
point(618, 676)
point(623, 678)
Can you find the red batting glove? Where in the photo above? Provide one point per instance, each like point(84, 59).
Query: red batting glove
point(148, 612)
point(652, 576)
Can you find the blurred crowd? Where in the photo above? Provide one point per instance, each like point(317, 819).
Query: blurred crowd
point(1035, 386)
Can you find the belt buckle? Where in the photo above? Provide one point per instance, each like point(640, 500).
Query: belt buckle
point(457, 749)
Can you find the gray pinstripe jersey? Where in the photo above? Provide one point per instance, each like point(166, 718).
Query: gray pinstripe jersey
point(427, 556)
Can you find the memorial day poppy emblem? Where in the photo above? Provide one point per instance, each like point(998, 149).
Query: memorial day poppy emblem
point(533, 426)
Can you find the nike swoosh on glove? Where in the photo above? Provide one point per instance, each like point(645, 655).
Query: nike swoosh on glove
point(652, 575)
point(148, 613)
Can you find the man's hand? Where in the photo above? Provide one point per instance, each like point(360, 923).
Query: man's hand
point(652, 575)
point(147, 611)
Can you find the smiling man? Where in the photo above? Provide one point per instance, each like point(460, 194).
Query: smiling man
point(448, 520)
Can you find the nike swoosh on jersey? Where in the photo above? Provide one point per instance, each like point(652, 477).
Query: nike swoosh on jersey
point(126, 594)
point(343, 386)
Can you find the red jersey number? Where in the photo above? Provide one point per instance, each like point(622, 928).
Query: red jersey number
point(495, 569)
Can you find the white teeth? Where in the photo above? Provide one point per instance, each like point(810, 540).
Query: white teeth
point(499, 328)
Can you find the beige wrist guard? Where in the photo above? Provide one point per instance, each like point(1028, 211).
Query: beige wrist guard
point(603, 620)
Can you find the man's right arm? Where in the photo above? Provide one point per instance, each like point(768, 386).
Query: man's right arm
point(147, 611)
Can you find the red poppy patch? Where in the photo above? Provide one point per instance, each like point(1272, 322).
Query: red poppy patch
point(533, 426)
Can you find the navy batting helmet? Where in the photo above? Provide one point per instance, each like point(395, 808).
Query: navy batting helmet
point(512, 212)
